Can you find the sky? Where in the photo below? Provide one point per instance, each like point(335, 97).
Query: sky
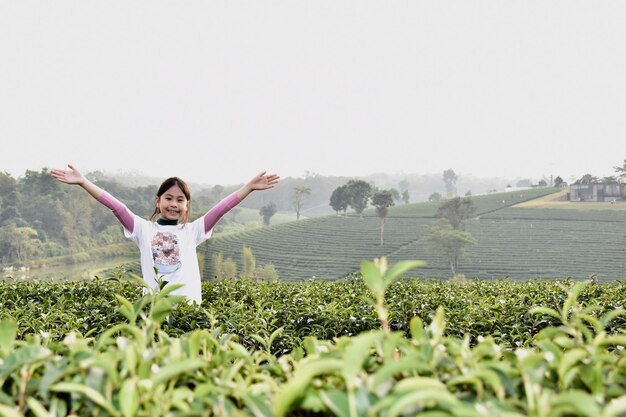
point(217, 91)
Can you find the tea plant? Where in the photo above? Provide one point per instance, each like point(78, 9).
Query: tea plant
point(241, 352)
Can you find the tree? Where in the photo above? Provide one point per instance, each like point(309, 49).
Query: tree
point(444, 240)
point(586, 179)
point(267, 211)
point(406, 198)
point(8, 184)
point(448, 237)
point(298, 199)
point(456, 211)
point(266, 273)
point(395, 194)
point(217, 191)
point(249, 263)
point(434, 196)
point(224, 269)
point(621, 171)
point(382, 200)
point(558, 181)
point(234, 212)
point(359, 193)
point(449, 179)
point(19, 243)
point(339, 199)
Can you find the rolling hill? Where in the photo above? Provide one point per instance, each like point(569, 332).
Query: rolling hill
point(514, 240)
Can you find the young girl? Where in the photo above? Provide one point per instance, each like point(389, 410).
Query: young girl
point(167, 243)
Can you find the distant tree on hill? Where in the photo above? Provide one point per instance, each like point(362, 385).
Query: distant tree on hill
point(448, 237)
point(359, 193)
point(558, 181)
point(443, 240)
point(449, 179)
point(395, 194)
point(340, 200)
point(382, 200)
point(298, 199)
point(267, 211)
point(621, 171)
point(434, 197)
point(586, 179)
point(8, 184)
point(456, 211)
point(406, 198)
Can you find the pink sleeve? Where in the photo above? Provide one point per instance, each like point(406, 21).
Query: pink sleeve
point(125, 216)
point(212, 216)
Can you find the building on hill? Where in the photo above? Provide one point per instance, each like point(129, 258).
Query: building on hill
point(597, 191)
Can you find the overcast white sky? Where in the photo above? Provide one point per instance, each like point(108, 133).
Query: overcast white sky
point(215, 91)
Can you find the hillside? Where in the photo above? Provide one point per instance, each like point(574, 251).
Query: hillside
point(513, 241)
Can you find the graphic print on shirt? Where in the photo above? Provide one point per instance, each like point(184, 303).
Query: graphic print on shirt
point(165, 252)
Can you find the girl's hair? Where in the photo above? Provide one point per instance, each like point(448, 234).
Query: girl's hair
point(166, 185)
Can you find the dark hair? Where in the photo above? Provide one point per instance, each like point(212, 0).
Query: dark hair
point(166, 185)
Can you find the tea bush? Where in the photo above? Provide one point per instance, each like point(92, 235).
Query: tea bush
point(143, 361)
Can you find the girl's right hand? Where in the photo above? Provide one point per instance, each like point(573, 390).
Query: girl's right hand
point(73, 176)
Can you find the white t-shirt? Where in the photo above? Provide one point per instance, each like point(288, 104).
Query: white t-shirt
point(172, 250)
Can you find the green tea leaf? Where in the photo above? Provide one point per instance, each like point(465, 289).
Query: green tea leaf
point(8, 331)
point(546, 311)
point(256, 405)
point(336, 401)
point(296, 387)
point(400, 269)
point(177, 368)
point(355, 354)
point(577, 402)
point(37, 408)
point(24, 355)
point(129, 397)
point(572, 297)
point(615, 408)
point(126, 309)
point(373, 278)
point(417, 328)
point(89, 393)
point(6, 411)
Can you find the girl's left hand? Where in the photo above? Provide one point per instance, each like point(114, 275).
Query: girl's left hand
point(263, 181)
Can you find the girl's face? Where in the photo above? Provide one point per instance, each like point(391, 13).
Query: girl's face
point(173, 204)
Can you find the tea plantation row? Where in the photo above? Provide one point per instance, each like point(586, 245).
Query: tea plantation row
point(516, 243)
point(323, 309)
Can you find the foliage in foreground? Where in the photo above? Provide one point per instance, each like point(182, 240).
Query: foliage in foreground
point(136, 368)
point(321, 309)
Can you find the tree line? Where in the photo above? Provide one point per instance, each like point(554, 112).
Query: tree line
point(41, 218)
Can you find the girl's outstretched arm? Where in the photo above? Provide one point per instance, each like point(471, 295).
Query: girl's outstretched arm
point(73, 176)
point(262, 181)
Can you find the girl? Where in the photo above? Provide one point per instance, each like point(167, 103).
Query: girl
point(167, 244)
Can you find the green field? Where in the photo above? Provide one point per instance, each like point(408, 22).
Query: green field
point(513, 242)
